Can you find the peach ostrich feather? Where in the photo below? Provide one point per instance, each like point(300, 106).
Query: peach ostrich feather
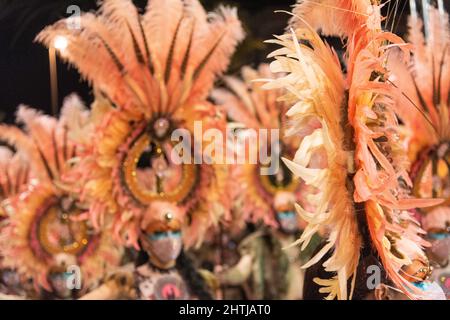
point(365, 168)
point(251, 107)
point(151, 68)
point(47, 151)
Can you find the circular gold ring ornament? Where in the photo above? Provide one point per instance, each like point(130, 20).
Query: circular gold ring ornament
point(57, 233)
point(144, 195)
point(272, 187)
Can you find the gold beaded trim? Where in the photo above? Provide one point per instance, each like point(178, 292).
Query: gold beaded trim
point(273, 189)
point(80, 239)
point(145, 196)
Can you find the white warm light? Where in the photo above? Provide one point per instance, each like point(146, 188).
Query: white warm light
point(60, 43)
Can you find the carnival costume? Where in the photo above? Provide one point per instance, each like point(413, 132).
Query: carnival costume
point(154, 70)
point(363, 185)
point(46, 238)
point(424, 86)
point(260, 195)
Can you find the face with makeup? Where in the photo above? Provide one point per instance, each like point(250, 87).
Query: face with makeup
point(439, 251)
point(161, 235)
point(58, 280)
point(163, 246)
point(437, 225)
point(285, 212)
point(9, 278)
point(417, 273)
point(287, 221)
point(385, 291)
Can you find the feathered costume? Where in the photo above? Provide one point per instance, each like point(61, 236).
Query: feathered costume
point(263, 196)
point(424, 104)
point(44, 219)
point(155, 70)
point(364, 176)
point(247, 104)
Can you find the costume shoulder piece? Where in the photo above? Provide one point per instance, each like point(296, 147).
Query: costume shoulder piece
point(45, 219)
point(155, 69)
point(363, 183)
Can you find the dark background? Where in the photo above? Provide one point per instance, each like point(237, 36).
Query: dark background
point(24, 66)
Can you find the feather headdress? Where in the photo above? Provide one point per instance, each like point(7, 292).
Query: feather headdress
point(156, 70)
point(364, 177)
point(44, 219)
point(251, 107)
point(424, 104)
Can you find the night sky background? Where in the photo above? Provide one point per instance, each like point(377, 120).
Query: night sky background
point(24, 66)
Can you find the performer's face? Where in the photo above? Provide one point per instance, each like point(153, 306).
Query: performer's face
point(59, 284)
point(439, 252)
point(165, 246)
point(10, 278)
point(285, 212)
point(288, 221)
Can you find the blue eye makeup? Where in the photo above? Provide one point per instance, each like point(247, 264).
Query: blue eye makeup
point(157, 236)
point(438, 236)
point(164, 234)
point(421, 285)
point(63, 275)
point(175, 234)
point(286, 214)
